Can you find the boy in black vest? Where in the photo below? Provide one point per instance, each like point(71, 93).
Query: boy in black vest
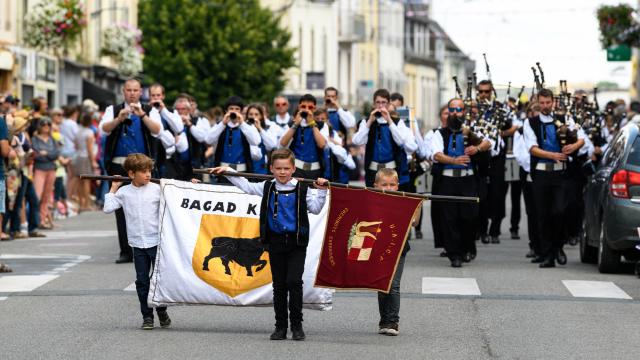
point(284, 226)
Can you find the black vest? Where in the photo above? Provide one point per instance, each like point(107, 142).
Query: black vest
point(246, 150)
point(302, 218)
point(152, 144)
point(399, 155)
point(535, 123)
point(438, 167)
point(319, 151)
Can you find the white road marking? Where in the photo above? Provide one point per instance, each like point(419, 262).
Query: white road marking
point(131, 287)
point(22, 256)
point(59, 269)
point(595, 289)
point(74, 234)
point(65, 244)
point(68, 265)
point(3, 298)
point(450, 286)
point(19, 283)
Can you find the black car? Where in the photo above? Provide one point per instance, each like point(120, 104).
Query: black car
point(612, 205)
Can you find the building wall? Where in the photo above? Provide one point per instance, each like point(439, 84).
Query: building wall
point(422, 93)
point(391, 46)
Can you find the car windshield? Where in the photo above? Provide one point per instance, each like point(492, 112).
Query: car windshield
point(634, 153)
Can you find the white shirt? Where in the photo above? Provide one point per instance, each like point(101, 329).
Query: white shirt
point(69, 130)
point(200, 129)
point(346, 118)
point(315, 197)
point(141, 207)
point(520, 152)
point(401, 135)
point(108, 117)
point(437, 143)
point(250, 133)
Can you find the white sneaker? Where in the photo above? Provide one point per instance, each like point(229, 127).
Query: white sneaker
point(383, 330)
point(392, 330)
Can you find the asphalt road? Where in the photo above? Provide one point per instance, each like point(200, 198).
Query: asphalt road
point(70, 302)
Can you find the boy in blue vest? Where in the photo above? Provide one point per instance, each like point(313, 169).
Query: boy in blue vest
point(284, 227)
point(306, 140)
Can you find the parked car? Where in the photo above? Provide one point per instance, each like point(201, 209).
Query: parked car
point(611, 228)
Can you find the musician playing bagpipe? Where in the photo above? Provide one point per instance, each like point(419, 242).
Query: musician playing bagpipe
point(553, 141)
point(453, 160)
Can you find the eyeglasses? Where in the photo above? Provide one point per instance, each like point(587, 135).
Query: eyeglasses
point(307, 107)
point(484, 91)
point(281, 104)
point(455, 110)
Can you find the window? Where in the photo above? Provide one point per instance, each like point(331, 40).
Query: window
point(616, 149)
point(634, 153)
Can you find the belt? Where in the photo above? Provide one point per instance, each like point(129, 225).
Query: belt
point(551, 166)
point(307, 166)
point(119, 160)
point(237, 167)
point(375, 166)
point(457, 172)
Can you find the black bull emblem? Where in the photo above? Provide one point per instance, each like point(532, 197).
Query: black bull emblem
point(244, 252)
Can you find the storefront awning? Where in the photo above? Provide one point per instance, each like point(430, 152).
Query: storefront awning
point(101, 96)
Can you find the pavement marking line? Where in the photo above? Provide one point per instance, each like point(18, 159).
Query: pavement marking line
point(68, 265)
point(20, 283)
point(595, 289)
point(450, 286)
point(65, 244)
point(3, 298)
point(22, 257)
point(131, 287)
point(59, 269)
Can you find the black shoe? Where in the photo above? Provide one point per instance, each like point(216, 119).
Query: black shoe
point(124, 259)
point(484, 239)
point(561, 257)
point(165, 320)
point(473, 255)
point(530, 254)
point(297, 333)
point(538, 259)
point(456, 263)
point(443, 254)
point(279, 334)
point(466, 257)
point(573, 241)
point(495, 240)
point(514, 235)
point(418, 234)
point(548, 263)
point(147, 323)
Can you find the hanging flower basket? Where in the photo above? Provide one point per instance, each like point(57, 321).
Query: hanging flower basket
point(618, 26)
point(121, 42)
point(54, 25)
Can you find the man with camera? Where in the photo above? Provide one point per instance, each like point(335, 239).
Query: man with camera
point(233, 138)
point(130, 127)
point(388, 142)
point(306, 140)
point(340, 119)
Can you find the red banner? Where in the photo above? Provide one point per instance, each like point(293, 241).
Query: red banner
point(365, 235)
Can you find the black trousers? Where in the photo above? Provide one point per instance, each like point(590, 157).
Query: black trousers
point(575, 205)
point(411, 187)
point(530, 209)
point(496, 193)
point(287, 267)
point(121, 223)
point(516, 192)
point(549, 195)
point(459, 218)
point(437, 223)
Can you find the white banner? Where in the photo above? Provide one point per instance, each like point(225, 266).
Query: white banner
point(209, 251)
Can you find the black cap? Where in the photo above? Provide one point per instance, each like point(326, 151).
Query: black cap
point(11, 99)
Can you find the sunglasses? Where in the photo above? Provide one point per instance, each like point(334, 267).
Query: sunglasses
point(281, 104)
point(484, 91)
point(456, 109)
point(307, 107)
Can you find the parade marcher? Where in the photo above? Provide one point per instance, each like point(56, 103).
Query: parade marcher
point(130, 127)
point(548, 171)
point(388, 143)
point(140, 202)
point(306, 140)
point(284, 226)
point(526, 183)
point(337, 162)
point(279, 124)
point(340, 119)
point(454, 162)
point(233, 138)
point(389, 304)
point(172, 126)
point(256, 116)
point(437, 223)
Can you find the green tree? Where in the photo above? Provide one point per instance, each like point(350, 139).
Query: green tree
point(213, 49)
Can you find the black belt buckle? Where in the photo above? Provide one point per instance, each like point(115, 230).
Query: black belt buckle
point(457, 172)
point(306, 166)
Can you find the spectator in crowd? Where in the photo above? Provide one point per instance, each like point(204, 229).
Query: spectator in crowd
point(44, 173)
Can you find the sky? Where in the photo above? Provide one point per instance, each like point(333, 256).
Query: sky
point(562, 35)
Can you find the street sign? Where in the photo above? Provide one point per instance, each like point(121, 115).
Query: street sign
point(619, 53)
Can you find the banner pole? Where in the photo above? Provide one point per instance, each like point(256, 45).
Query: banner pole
point(111, 178)
point(469, 199)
